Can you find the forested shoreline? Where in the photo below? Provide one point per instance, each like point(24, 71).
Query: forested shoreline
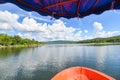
point(6, 40)
point(101, 41)
point(114, 39)
point(97, 41)
point(17, 41)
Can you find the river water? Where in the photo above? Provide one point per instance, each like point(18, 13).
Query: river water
point(43, 62)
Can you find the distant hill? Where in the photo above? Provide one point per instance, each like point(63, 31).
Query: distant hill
point(114, 39)
point(60, 42)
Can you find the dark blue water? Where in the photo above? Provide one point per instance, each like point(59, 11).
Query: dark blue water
point(42, 63)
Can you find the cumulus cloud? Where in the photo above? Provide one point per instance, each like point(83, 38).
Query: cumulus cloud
point(5, 27)
point(7, 20)
point(30, 28)
point(26, 35)
point(57, 31)
point(99, 32)
point(97, 27)
point(86, 31)
point(29, 25)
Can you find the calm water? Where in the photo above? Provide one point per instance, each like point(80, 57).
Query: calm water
point(42, 63)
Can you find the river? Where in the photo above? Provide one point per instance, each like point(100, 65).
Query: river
point(43, 62)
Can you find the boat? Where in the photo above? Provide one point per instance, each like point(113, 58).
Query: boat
point(81, 73)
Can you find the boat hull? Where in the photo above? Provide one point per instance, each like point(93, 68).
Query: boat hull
point(81, 73)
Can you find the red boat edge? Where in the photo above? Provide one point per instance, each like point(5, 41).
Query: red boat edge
point(81, 73)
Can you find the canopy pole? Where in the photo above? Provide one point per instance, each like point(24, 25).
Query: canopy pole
point(53, 13)
point(78, 16)
point(112, 5)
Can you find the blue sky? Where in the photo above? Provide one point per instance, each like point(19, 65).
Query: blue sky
point(15, 21)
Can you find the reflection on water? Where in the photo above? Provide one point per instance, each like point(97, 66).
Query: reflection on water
point(7, 52)
point(42, 63)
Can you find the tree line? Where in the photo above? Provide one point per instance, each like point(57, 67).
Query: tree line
point(115, 39)
point(6, 40)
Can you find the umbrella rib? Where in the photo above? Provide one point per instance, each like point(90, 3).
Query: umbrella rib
point(61, 3)
point(96, 2)
point(34, 7)
point(61, 7)
point(42, 9)
point(78, 7)
point(40, 3)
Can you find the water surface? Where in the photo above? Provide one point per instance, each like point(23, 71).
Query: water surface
point(42, 63)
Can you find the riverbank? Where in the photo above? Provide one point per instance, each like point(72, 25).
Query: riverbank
point(19, 46)
point(84, 43)
point(98, 44)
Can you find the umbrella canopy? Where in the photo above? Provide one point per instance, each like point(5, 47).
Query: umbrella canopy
point(66, 8)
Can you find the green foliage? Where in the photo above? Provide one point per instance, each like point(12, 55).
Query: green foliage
point(6, 40)
point(115, 39)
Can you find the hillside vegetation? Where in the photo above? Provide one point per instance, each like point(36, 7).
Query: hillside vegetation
point(115, 39)
point(6, 40)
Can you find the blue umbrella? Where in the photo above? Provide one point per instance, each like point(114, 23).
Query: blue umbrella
point(66, 8)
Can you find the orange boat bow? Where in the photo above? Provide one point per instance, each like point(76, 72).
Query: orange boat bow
point(81, 73)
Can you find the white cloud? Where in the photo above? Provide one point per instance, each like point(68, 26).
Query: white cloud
point(86, 31)
point(98, 26)
point(40, 31)
point(30, 28)
point(57, 31)
point(29, 25)
point(26, 35)
point(5, 27)
point(99, 32)
point(7, 20)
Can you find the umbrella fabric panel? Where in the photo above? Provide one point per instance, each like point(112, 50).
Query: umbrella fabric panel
point(66, 8)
